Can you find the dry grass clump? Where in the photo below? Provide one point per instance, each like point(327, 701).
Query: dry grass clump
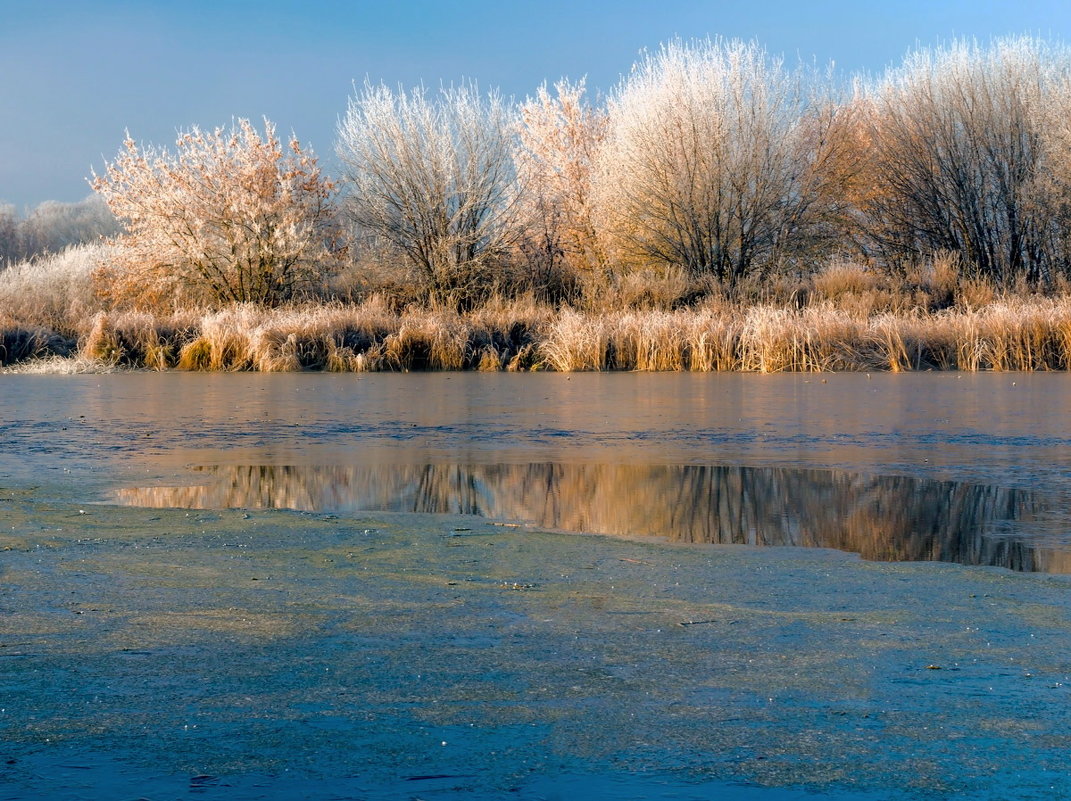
point(860, 291)
point(576, 342)
point(843, 278)
point(52, 291)
point(137, 339)
point(649, 341)
point(335, 337)
point(816, 339)
point(644, 289)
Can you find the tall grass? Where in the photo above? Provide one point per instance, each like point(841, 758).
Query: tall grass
point(1009, 334)
point(843, 318)
point(41, 301)
point(51, 291)
point(1012, 334)
point(341, 338)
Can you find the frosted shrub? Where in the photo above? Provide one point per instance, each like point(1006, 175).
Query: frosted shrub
point(228, 217)
point(955, 146)
point(710, 159)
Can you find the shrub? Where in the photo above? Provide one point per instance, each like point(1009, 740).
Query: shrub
point(227, 218)
point(955, 146)
point(710, 157)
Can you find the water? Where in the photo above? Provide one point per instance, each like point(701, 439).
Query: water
point(370, 621)
point(974, 469)
point(988, 428)
point(893, 518)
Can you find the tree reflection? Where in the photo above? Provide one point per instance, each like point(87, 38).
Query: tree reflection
point(887, 518)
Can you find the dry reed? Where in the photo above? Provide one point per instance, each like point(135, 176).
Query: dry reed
point(846, 318)
point(1007, 335)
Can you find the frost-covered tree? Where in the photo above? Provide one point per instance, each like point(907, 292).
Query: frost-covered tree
point(53, 226)
point(1049, 197)
point(710, 161)
point(9, 235)
point(558, 144)
point(432, 175)
point(956, 148)
point(228, 216)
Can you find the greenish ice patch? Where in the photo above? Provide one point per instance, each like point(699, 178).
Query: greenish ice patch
point(163, 653)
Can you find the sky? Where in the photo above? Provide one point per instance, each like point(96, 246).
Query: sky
point(77, 74)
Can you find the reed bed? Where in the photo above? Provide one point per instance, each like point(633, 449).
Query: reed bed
point(843, 318)
point(334, 337)
point(1007, 335)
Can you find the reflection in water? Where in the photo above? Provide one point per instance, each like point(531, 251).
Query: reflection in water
point(887, 518)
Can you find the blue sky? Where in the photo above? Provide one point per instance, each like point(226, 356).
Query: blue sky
point(76, 74)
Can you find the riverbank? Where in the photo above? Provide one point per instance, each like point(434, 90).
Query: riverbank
point(1007, 333)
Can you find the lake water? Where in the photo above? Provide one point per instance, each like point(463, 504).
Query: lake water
point(384, 586)
point(973, 469)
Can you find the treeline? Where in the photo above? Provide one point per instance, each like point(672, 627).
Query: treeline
point(52, 226)
point(711, 157)
point(713, 179)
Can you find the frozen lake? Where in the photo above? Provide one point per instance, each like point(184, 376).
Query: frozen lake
point(263, 586)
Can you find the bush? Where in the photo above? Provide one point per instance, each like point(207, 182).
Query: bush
point(227, 218)
point(710, 160)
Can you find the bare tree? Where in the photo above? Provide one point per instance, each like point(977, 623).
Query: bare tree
point(1049, 195)
point(710, 158)
point(228, 217)
point(955, 148)
point(558, 143)
point(433, 177)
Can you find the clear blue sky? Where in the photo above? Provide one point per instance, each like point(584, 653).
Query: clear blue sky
point(76, 74)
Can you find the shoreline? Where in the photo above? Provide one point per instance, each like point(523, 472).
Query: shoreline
point(1008, 335)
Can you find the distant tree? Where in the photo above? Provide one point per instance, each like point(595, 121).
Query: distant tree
point(558, 144)
point(711, 160)
point(9, 235)
point(53, 226)
point(433, 177)
point(956, 147)
point(229, 217)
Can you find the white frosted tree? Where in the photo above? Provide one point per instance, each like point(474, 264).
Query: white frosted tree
point(711, 160)
point(432, 175)
point(53, 226)
point(1050, 192)
point(957, 144)
point(557, 149)
point(9, 235)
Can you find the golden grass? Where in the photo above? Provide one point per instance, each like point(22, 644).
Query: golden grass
point(1024, 334)
point(845, 317)
point(1031, 333)
point(1008, 334)
point(52, 290)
